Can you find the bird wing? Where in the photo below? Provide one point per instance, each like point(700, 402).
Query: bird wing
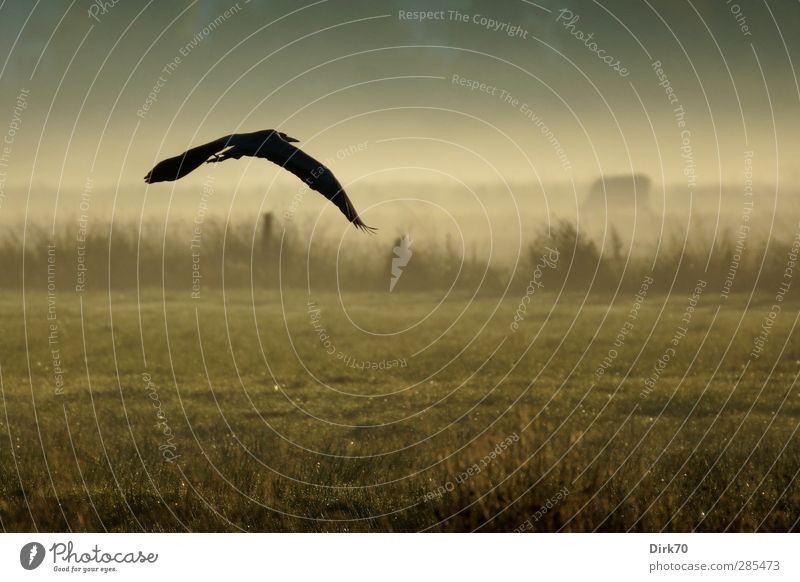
point(177, 167)
point(314, 173)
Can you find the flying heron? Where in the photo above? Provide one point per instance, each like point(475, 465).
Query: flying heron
point(272, 145)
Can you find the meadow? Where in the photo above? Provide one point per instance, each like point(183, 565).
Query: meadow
point(296, 410)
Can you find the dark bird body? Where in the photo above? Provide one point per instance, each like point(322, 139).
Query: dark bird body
point(270, 144)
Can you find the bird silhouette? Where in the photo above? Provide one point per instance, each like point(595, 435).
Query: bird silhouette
point(272, 145)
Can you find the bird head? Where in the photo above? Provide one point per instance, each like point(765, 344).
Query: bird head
point(285, 137)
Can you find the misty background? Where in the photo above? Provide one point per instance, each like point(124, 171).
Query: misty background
point(448, 130)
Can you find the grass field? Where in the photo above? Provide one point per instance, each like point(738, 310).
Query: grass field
point(259, 413)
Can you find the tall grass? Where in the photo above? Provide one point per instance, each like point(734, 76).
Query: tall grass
point(126, 256)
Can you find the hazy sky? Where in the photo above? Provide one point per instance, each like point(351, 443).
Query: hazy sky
point(339, 73)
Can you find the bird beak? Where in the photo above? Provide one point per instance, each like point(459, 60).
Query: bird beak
point(291, 139)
